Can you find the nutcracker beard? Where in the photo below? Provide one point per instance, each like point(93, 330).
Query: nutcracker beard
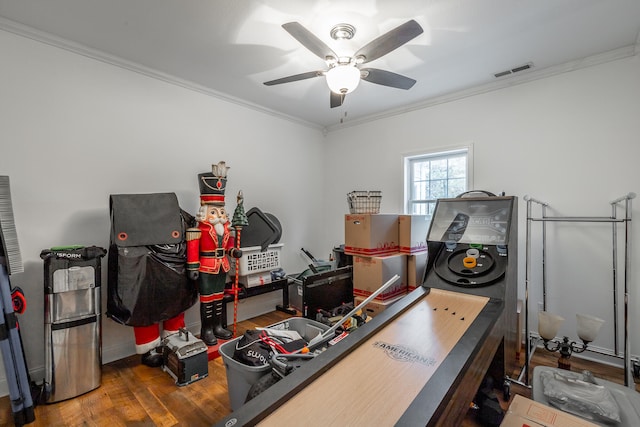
point(220, 225)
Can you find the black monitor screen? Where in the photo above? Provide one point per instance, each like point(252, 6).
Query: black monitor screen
point(482, 220)
point(327, 291)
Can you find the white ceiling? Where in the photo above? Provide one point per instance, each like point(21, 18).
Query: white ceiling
point(229, 48)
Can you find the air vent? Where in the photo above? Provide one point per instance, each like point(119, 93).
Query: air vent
point(503, 73)
point(514, 70)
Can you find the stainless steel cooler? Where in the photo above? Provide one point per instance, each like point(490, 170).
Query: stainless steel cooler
point(73, 334)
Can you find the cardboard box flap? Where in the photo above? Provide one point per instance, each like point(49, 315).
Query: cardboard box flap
point(541, 414)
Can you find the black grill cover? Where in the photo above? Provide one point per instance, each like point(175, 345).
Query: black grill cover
point(147, 280)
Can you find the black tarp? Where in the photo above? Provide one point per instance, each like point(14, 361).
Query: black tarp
point(147, 280)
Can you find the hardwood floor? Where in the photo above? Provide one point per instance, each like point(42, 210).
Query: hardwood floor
point(132, 394)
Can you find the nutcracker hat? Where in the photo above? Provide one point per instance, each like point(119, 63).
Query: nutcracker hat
point(213, 185)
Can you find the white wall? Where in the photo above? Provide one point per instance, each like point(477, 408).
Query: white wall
point(571, 140)
point(75, 130)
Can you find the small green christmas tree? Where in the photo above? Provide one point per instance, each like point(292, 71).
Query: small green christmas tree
point(239, 217)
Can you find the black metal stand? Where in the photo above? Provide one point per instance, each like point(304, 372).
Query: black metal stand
point(244, 292)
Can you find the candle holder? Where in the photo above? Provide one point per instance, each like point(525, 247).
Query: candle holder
point(548, 325)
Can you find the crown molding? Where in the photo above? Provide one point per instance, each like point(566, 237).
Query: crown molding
point(80, 49)
point(501, 83)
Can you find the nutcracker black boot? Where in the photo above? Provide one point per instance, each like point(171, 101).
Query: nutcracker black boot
point(219, 330)
point(207, 323)
point(153, 358)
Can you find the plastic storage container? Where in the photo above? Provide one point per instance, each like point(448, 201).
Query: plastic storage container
point(241, 377)
point(254, 260)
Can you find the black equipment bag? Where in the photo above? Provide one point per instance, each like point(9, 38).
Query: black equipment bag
point(256, 346)
point(147, 279)
point(251, 350)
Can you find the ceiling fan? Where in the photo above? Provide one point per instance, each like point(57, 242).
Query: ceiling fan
point(344, 73)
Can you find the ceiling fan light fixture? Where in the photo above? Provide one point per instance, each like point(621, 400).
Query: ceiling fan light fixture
point(343, 79)
point(343, 32)
point(343, 73)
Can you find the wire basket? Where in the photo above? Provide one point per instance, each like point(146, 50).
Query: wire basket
point(361, 202)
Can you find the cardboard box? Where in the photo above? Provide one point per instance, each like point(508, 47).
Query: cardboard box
point(416, 265)
point(515, 420)
point(526, 412)
point(371, 234)
point(412, 233)
point(375, 306)
point(369, 273)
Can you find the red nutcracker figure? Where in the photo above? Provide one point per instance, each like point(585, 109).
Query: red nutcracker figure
point(208, 248)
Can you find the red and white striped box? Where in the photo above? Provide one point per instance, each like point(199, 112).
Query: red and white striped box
point(412, 233)
point(370, 273)
point(371, 234)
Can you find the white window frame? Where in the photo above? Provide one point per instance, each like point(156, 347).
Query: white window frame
point(432, 153)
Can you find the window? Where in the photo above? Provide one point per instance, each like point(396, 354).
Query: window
point(435, 175)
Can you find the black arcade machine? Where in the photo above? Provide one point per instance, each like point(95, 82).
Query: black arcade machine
point(472, 243)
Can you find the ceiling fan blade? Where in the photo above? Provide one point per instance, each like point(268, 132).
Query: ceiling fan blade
point(387, 78)
point(294, 78)
point(390, 41)
point(309, 40)
point(336, 99)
